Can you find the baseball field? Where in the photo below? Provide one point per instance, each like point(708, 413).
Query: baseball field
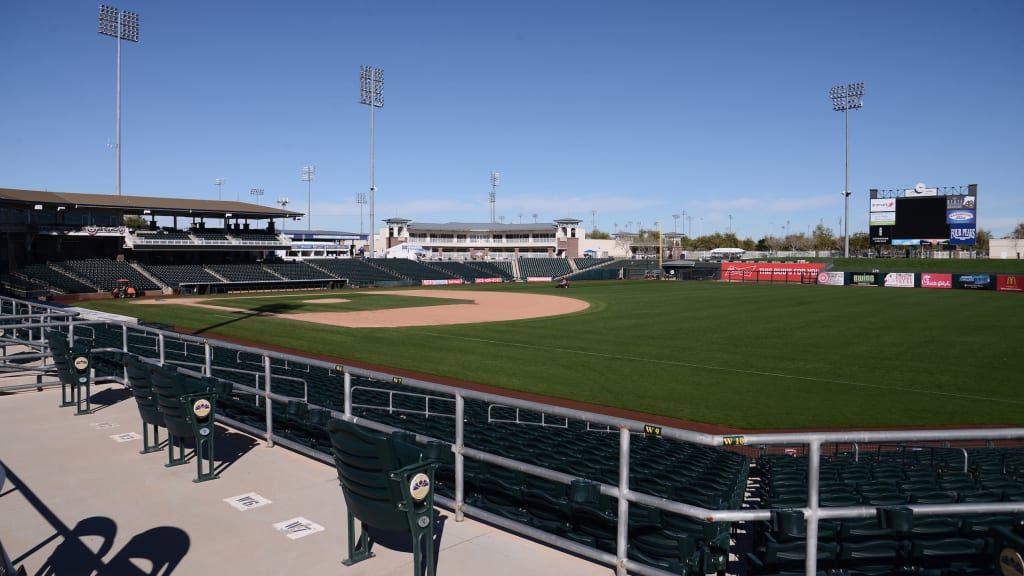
point(751, 356)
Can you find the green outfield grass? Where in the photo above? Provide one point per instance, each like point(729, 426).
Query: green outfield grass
point(753, 356)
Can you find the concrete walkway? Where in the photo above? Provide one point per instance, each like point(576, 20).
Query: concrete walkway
point(79, 499)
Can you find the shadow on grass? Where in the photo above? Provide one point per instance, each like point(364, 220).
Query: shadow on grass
point(262, 310)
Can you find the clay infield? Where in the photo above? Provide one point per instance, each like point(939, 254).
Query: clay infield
point(486, 307)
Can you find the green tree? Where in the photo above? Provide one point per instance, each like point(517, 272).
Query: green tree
point(597, 234)
point(859, 242)
point(136, 222)
point(982, 239)
point(1018, 232)
point(823, 238)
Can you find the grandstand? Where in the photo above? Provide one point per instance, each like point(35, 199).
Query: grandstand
point(549, 267)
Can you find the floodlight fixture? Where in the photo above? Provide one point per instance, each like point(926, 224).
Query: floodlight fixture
point(371, 93)
point(361, 200)
point(218, 182)
point(257, 192)
point(122, 25)
point(844, 99)
point(308, 172)
point(495, 182)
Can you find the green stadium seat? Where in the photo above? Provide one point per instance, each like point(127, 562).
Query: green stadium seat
point(387, 485)
point(138, 375)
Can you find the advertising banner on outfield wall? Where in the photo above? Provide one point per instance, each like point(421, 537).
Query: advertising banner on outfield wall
point(441, 282)
point(487, 280)
point(931, 280)
point(863, 278)
point(1010, 283)
point(899, 280)
point(974, 281)
point(831, 278)
point(768, 271)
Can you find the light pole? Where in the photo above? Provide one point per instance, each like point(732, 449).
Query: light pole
point(257, 192)
point(122, 25)
point(218, 182)
point(361, 200)
point(284, 201)
point(730, 223)
point(308, 172)
point(371, 93)
point(844, 99)
point(495, 182)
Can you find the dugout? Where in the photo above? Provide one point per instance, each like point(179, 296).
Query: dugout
point(261, 286)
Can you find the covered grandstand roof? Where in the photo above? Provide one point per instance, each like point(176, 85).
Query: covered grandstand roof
point(141, 204)
point(480, 226)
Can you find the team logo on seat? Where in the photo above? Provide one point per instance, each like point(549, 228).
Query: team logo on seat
point(1010, 562)
point(419, 487)
point(201, 407)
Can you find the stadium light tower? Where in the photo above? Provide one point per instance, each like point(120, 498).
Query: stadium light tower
point(218, 182)
point(308, 172)
point(844, 99)
point(495, 182)
point(257, 192)
point(371, 93)
point(122, 25)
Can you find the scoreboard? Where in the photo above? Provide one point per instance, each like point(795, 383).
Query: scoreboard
point(923, 215)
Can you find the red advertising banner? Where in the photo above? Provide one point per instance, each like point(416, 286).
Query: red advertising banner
point(1010, 283)
point(930, 280)
point(769, 271)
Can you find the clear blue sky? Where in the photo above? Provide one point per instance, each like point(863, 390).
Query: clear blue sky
point(637, 110)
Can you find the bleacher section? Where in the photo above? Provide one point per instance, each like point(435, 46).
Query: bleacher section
point(539, 267)
point(211, 236)
point(175, 275)
point(162, 237)
point(357, 272)
point(53, 276)
point(296, 271)
point(409, 269)
point(889, 480)
point(255, 236)
point(496, 269)
point(584, 263)
point(242, 272)
point(105, 274)
point(101, 275)
point(461, 270)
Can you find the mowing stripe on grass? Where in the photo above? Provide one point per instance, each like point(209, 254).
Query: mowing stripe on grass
point(723, 369)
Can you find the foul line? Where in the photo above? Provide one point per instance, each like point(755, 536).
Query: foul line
point(723, 369)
